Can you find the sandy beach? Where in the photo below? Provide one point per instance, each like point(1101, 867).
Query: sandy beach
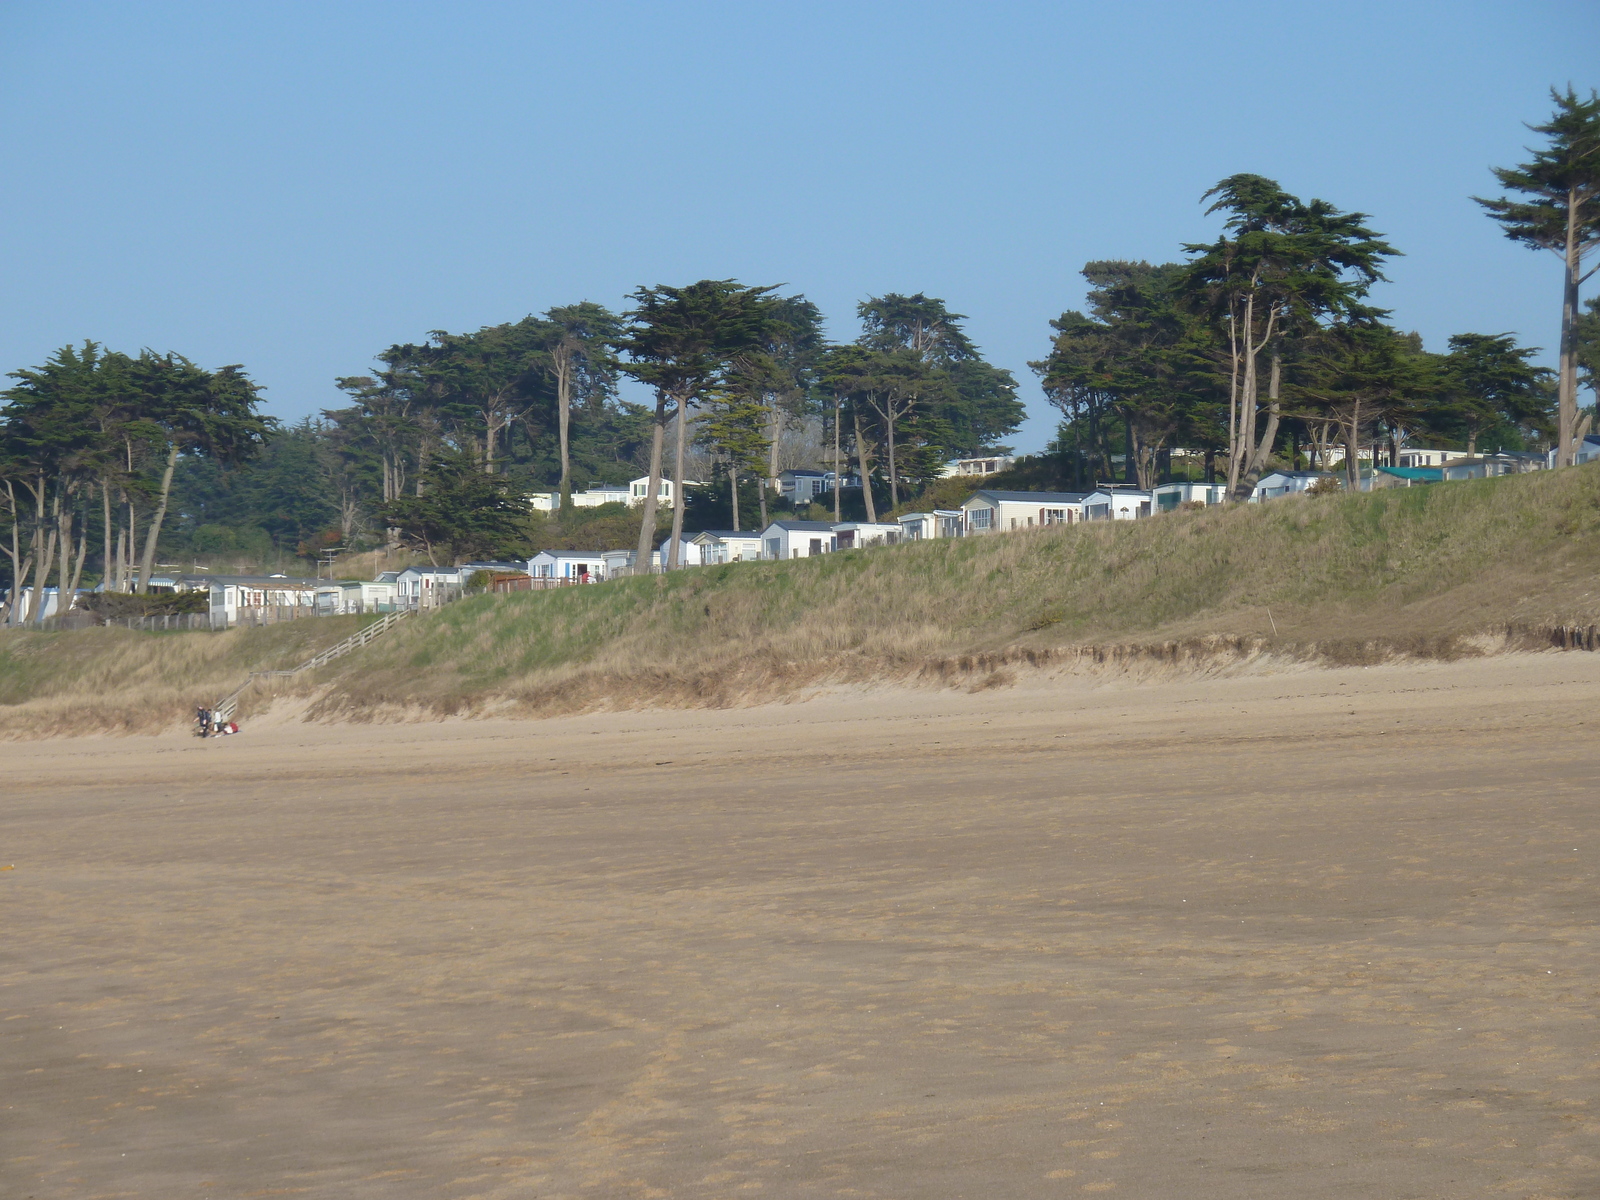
point(1318, 933)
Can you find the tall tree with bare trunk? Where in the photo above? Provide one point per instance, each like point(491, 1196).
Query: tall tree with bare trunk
point(187, 410)
point(49, 450)
point(1558, 209)
point(1281, 268)
point(679, 342)
point(581, 362)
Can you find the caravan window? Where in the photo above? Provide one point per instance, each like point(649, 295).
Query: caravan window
point(980, 517)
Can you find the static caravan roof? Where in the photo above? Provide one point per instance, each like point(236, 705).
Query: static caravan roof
point(259, 581)
point(1029, 497)
point(729, 535)
point(802, 526)
point(1429, 474)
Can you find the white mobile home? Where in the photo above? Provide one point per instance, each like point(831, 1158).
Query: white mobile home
point(638, 489)
point(853, 535)
point(1489, 466)
point(1285, 483)
point(989, 464)
point(688, 551)
point(989, 511)
point(378, 596)
point(577, 566)
point(1423, 456)
point(728, 545)
point(335, 599)
point(796, 539)
point(260, 595)
point(599, 493)
point(355, 596)
point(424, 587)
point(614, 564)
point(802, 487)
point(1116, 504)
point(1588, 450)
point(1169, 496)
point(941, 522)
point(48, 604)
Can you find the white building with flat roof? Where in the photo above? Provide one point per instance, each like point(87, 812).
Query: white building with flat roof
point(1117, 504)
point(796, 539)
point(853, 535)
point(640, 488)
point(922, 526)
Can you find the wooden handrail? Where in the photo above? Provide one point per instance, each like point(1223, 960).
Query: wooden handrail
point(223, 709)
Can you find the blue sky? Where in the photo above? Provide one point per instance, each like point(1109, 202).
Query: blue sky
point(295, 186)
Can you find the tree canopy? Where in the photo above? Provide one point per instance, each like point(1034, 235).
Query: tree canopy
point(91, 424)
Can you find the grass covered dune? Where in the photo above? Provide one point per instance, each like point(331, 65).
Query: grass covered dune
point(1429, 570)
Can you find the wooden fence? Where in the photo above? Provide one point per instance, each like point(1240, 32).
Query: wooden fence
point(88, 620)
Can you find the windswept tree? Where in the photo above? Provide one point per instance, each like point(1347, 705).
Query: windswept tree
point(920, 324)
point(850, 375)
point(49, 452)
point(1557, 208)
point(835, 380)
point(581, 362)
point(1487, 381)
point(790, 351)
point(497, 375)
point(187, 410)
point(969, 405)
point(1075, 382)
point(397, 411)
point(679, 342)
point(91, 419)
point(1137, 358)
point(979, 409)
point(735, 429)
point(1282, 268)
point(460, 512)
point(898, 388)
point(1364, 375)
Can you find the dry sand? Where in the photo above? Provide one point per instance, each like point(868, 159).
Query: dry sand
point(1313, 934)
